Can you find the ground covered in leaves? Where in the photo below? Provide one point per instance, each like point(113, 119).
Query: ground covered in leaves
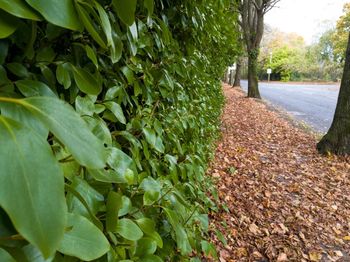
point(283, 201)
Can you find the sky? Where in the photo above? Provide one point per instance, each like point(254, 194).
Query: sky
point(307, 18)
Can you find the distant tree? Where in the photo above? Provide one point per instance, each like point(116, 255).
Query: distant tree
point(340, 36)
point(252, 22)
point(237, 81)
point(337, 139)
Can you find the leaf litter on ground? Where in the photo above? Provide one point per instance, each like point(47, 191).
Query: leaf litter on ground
point(282, 201)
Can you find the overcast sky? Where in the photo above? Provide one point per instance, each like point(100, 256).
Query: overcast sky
point(307, 18)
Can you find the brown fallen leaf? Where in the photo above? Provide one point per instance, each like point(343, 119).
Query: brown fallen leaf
point(282, 257)
point(315, 256)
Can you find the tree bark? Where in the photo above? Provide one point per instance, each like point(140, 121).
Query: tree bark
point(337, 139)
point(253, 89)
point(237, 81)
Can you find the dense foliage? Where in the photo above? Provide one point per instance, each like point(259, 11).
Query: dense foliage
point(291, 59)
point(109, 111)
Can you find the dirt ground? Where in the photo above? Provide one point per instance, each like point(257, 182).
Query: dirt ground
point(280, 199)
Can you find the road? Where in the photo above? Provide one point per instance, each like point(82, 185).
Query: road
point(313, 104)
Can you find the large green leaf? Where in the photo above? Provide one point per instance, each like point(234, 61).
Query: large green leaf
point(118, 160)
point(85, 81)
point(125, 10)
point(67, 126)
point(6, 257)
point(8, 24)
point(84, 240)
point(61, 13)
point(19, 8)
point(29, 169)
point(34, 88)
point(114, 203)
point(129, 230)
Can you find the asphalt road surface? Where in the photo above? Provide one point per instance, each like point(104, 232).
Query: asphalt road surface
point(312, 104)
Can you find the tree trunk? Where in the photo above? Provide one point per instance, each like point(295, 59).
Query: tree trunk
point(337, 139)
point(237, 81)
point(253, 89)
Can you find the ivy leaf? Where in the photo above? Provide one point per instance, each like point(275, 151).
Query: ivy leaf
point(26, 161)
point(67, 126)
point(154, 140)
point(129, 230)
point(148, 227)
point(85, 81)
point(8, 24)
point(20, 9)
point(125, 10)
point(61, 13)
point(84, 241)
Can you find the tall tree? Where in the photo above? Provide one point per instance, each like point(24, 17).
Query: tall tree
point(252, 22)
point(337, 139)
point(237, 81)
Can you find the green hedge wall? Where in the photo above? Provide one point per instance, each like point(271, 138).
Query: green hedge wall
point(109, 113)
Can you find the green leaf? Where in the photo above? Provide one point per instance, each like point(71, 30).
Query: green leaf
point(125, 10)
point(149, 4)
point(107, 176)
point(91, 54)
point(61, 13)
point(84, 241)
point(8, 24)
point(148, 227)
point(151, 258)
point(114, 202)
point(46, 54)
point(18, 69)
point(129, 230)
point(20, 9)
point(152, 190)
point(63, 76)
point(86, 82)
point(117, 48)
point(118, 160)
point(93, 199)
point(34, 88)
point(6, 257)
point(61, 119)
point(39, 215)
point(116, 110)
point(126, 206)
point(145, 246)
point(87, 21)
point(153, 139)
point(181, 235)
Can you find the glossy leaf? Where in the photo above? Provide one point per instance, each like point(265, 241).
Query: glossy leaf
point(125, 10)
point(84, 240)
point(116, 110)
point(34, 88)
point(61, 13)
point(63, 76)
point(26, 161)
point(5, 256)
point(67, 126)
point(85, 81)
point(20, 9)
point(118, 160)
point(8, 24)
point(128, 229)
